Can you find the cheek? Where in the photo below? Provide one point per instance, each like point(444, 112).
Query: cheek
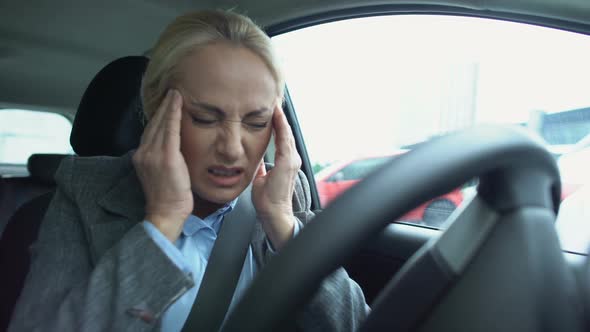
point(193, 144)
point(258, 143)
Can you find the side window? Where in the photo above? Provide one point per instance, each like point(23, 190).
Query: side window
point(25, 132)
point(359, 169)
point(420, 76)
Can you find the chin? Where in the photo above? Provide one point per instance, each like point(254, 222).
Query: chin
point(218, 195)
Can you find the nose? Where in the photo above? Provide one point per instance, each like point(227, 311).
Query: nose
point(229, 142)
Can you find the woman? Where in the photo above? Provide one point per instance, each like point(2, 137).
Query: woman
point(125, 242)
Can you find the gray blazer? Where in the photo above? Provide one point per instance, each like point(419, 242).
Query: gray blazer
point(94, 268)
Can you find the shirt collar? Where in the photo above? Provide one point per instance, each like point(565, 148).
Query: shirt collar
point(193, 224)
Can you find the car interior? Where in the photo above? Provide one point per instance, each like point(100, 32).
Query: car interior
point(498, 265)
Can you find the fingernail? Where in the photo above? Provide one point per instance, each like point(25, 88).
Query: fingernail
point(177, 98)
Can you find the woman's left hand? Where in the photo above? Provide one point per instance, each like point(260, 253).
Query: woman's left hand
point(272, 192)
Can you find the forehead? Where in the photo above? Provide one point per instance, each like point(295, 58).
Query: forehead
point(228, 76)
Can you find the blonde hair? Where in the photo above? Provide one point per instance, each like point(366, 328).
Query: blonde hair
point(193, 31)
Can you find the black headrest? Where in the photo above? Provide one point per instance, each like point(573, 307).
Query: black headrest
point(42, 166)
point(108, 120)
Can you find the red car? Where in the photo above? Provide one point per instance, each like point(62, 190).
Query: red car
point(337, 178)
point(573, 167)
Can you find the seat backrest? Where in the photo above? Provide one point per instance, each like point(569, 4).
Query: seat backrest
point(14, 252)
point(23, 205)
point(16, 191)
point(108, 122)
point(42, 167)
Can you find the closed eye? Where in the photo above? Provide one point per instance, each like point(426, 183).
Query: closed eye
point(203, 121)
point(256, 125)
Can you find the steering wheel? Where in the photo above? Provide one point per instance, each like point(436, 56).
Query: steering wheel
point(513, 170)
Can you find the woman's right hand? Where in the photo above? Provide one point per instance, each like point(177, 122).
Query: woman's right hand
point(162, 170)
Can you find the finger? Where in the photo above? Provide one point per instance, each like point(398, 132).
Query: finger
point(154, 123)
point(281, 128)
point(170, 131)
point(261, 171)
point(163, 125)
point(284, 140)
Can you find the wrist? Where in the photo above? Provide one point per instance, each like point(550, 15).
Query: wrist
point(169, 226)
point(279, 229)
point(276, 213)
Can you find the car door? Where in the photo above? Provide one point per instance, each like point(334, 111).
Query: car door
point(382, 83)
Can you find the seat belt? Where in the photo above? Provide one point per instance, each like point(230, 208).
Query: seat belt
point(224, 268)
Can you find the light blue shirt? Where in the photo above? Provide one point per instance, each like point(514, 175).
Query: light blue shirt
point(191, 253)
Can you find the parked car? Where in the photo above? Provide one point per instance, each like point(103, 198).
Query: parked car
point(335, 179)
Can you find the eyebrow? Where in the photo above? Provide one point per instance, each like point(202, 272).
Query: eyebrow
point(258, 112)
point(220, 112)
point(207, 107)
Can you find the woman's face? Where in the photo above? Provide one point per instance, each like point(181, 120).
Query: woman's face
point(229, 96)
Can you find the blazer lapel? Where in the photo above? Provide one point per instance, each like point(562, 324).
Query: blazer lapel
point(126, 198)
point(123, 206)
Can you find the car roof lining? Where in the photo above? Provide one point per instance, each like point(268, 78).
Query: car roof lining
point(342, 14)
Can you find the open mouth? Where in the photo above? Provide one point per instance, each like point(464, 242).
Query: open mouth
point(225, 176)
point(228, 172)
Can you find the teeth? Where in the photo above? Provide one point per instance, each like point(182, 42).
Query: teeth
point(223, 172)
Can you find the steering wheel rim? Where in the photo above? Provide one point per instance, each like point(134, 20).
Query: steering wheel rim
point(494, 154)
